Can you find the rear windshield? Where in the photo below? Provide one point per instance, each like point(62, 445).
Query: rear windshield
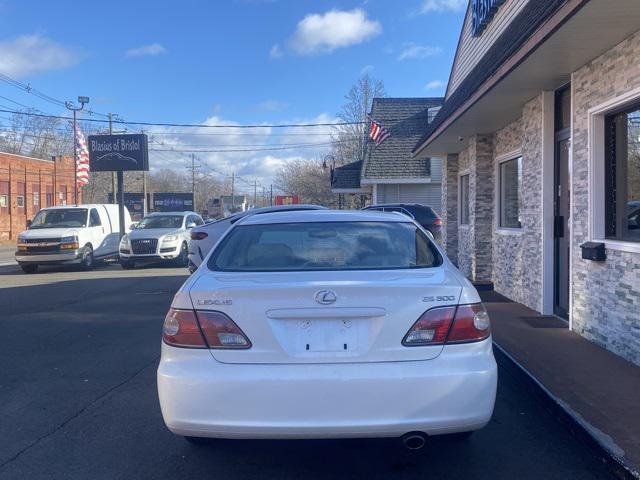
point(324, 246)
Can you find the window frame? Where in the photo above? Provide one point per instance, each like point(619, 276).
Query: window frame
point(461, 207)
point(499, 163)
point(20, 200)
point(597, 170)
point(4, 196)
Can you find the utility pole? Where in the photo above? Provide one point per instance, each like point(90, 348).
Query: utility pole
point(255, 193)
point(233, 191)
point(113, 174)
point(271, 196)
point(193, 180)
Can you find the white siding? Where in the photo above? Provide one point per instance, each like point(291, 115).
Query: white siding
point(471, 49)
point(425, 193)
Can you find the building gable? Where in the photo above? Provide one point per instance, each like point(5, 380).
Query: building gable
point(472, 46)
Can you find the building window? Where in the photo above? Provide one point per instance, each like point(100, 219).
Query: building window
point(511, 193)
point(4, 201)
point(20, 201)
point(464, 199)
point(622, 175)
point(36, 199)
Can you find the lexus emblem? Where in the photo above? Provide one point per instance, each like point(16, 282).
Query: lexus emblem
point(326, 297)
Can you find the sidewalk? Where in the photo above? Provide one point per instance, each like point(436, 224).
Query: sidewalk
point(591, 384)
point(7, 252)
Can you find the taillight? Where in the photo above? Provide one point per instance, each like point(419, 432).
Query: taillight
point(438, 222)
point(221, 332)
point(202, 329)
point(431, 328)
point(470, 325)
point(462, 324)
point(181, 329)
point(198, 235)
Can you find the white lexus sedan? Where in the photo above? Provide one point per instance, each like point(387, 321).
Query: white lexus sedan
point(326, 324)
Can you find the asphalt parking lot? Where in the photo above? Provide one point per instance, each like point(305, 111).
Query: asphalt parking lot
point(78, 397)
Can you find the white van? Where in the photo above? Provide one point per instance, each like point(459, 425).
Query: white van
point(71, 234)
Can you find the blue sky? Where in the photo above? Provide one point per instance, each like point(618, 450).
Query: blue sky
point(236, 61)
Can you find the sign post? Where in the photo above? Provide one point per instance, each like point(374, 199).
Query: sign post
point(119, 153)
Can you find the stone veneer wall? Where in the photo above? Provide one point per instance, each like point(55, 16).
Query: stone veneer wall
point(475, 250)
point(450, 206)
point(517, 254)
point(606, 296)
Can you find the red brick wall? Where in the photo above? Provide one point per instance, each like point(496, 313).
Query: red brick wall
point(22, 176)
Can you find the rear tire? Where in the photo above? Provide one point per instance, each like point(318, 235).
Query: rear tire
point(29, 268)
point(87, 261)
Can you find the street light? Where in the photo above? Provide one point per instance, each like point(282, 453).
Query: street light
point(70, 106)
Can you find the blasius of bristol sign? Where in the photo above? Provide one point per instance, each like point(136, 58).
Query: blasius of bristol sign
point(111, 153)
point(483, 12)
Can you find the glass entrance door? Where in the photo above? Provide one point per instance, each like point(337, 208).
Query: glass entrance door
point(562, 202)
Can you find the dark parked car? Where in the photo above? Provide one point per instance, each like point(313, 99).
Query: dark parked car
point(422, 214)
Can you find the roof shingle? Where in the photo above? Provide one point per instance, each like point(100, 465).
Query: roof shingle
point(406, 120)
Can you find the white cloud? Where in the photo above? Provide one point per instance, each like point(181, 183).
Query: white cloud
point(366, 69)
point(29, 54)
point(412, 51)
point(273, 105)
point(435, 85)
point(151, 50)
point(258, 165)
point(323, 33)
point(442, 5)
point(276, 51)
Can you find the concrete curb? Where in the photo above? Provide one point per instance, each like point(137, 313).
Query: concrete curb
point(596, 441)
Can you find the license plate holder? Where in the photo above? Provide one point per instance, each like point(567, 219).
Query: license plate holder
point(326, 335)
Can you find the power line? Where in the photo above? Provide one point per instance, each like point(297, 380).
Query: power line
point(41, 95)
point(308, 145)
point(189, 125)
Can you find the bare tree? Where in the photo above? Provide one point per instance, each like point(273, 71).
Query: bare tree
point(307, 179)
point(348, 140)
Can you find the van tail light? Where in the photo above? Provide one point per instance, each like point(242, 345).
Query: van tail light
point(221, 332)
point(438, 222)
point(198, 235)
point(202, 329)
point(462, 324)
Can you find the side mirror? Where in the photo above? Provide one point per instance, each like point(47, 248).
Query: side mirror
point(132, 226)
point(191, 225)
point(29, 223)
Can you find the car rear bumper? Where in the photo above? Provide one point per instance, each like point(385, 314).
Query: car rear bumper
point(200, 396)
point(70, 256)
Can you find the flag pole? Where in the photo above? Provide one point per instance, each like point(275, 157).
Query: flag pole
point(72, 107)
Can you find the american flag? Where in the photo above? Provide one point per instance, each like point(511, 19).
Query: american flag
point(377, 132)
point(82, 166)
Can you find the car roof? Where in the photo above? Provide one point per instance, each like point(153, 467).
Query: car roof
point(85, 205)
point(155, 214)
point(323, 216)
point(398, 205)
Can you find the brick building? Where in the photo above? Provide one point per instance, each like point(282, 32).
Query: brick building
point(28, 184)
point(540, 134)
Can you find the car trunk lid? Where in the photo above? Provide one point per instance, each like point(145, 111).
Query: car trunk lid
point(326, 317)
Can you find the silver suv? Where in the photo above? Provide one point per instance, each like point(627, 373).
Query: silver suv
point(160, 236)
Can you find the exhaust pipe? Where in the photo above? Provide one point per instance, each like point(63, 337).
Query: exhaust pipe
point(414, 440)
